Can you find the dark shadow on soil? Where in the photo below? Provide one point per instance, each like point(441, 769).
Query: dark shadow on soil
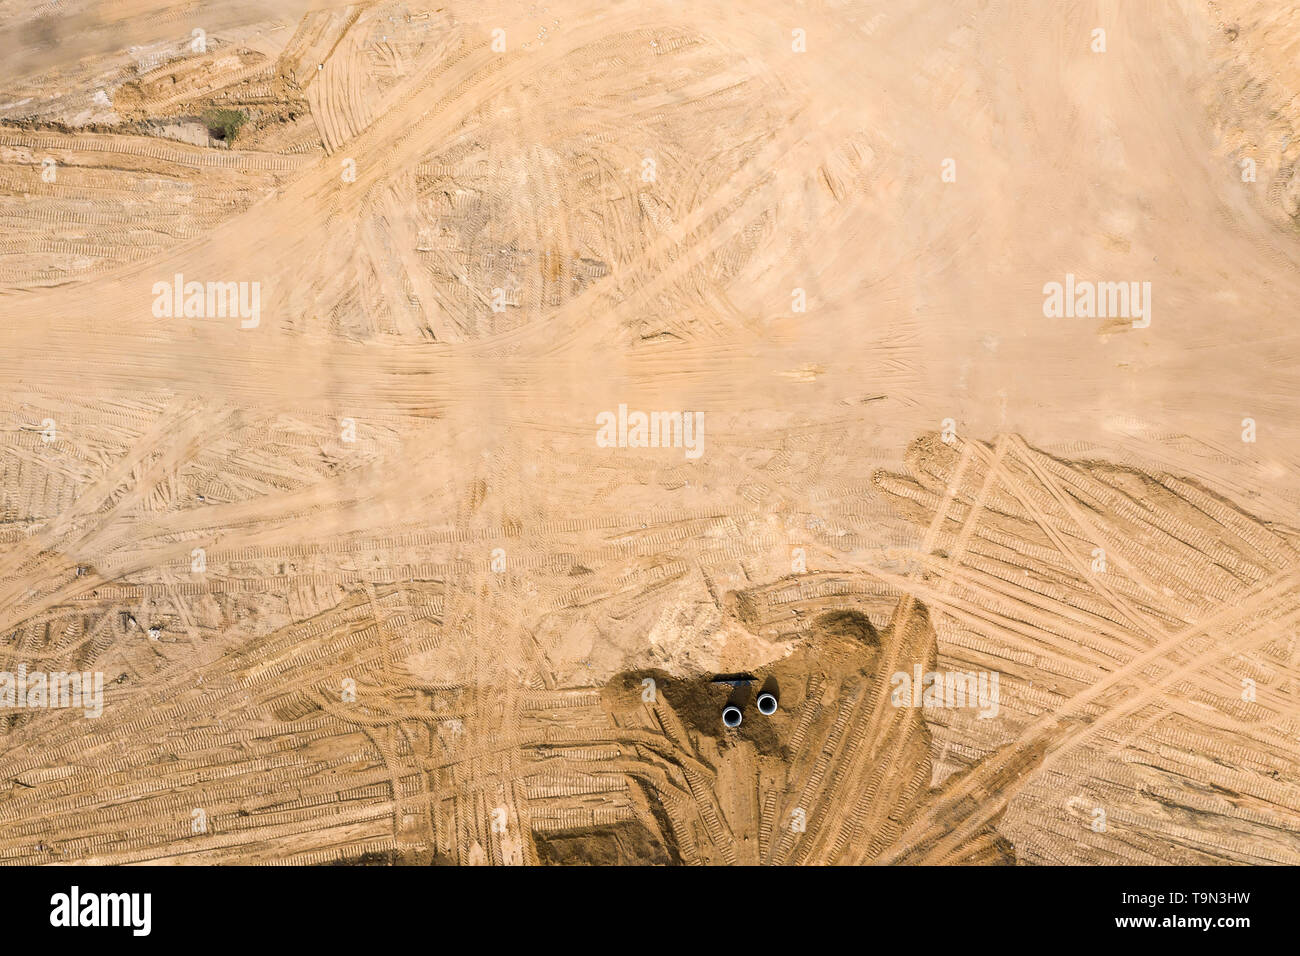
point(698, 702)
point(623, 844)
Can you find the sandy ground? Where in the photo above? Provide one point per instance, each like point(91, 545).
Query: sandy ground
point(367, 582)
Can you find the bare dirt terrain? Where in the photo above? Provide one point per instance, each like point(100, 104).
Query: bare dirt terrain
point(325, 336)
